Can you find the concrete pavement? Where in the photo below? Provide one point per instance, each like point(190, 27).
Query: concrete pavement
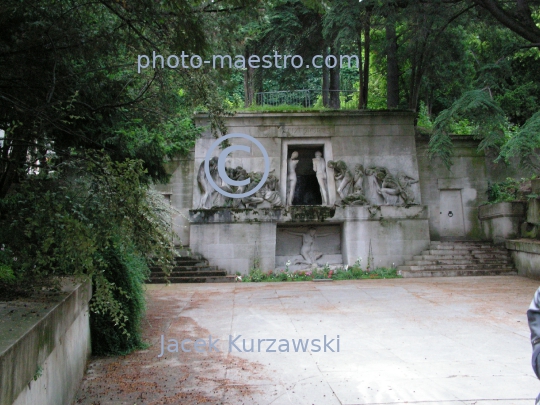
point(441, 341)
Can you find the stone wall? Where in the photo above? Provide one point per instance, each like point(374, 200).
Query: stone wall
point(179, 191)
point(44, 347)
point(394, 233)
point(236, 247)
point(520, 219)
point(459, 190)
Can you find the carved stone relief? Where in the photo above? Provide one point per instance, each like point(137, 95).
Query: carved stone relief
point(207, 191)
point(210, 198)
point(382, 186)
point(305, 247)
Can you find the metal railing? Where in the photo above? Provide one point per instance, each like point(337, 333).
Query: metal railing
point(304, 98)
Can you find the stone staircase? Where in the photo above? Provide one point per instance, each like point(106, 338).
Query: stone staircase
point(190, 269)
point(450, 259)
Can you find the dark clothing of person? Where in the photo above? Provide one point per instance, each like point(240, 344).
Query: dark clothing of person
point(533, 315)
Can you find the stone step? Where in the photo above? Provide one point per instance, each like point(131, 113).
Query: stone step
point(209, 279)
point(200, 273)
point(457, 267)
point(456, 273)
point(189, 261)
point(455, 252)
point(202, 267)
point(446, 246)
point(462, 257)
point(190, 269)
point(420, 262)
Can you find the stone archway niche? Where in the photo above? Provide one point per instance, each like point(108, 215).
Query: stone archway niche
point(307, 187)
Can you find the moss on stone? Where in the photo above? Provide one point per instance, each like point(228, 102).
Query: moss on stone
point(316, 213)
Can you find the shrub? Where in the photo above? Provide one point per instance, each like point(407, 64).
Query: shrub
point(95, 219)
point(509, 190)
point(127, 271)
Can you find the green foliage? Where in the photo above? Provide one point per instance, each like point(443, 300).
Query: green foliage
point(127, 271)
point(524, 144)
point(424, 119)
point(509, 190)
point(476, 106)
point(71, 82)
point(6, 260)
point(6, 274)
point(94, 219)
point(38, 373)
point(354, 272)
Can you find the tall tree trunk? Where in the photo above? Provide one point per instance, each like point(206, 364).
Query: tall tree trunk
point(334, 82)
point(417, 70)
point(325, 80)
point(334, 88)
point(414, 74)
point(392, 71)
point(361, 102)
point(249, 88)
point(258, 86)
point(367, 45)
point(13, 162)
point(415, 93)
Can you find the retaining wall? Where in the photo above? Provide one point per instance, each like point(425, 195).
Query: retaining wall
point(44, 346)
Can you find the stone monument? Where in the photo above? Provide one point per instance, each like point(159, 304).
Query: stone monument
point(335, 184)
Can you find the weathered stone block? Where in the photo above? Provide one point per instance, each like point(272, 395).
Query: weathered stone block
point(502, 220)
point(526, 255)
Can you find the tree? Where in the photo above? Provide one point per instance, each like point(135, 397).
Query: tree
point(518, 18)
point(70, 80)
point(392, 70)
point(86, 133)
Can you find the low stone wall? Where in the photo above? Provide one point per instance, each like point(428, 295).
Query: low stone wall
point(526, 255)
point(44, 346)
point(502, 220)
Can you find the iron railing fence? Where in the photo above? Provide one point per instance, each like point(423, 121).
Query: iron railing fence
point(304, 98)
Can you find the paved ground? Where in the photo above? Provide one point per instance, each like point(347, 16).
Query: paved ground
point(441, 341)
